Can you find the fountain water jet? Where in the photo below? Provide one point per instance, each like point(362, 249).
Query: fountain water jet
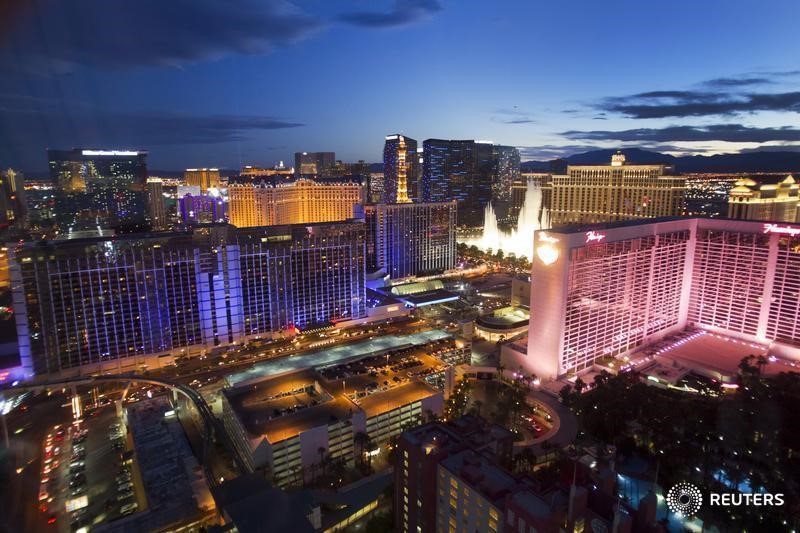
point(519, 240)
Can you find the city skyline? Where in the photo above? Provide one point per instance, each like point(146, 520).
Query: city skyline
point(256, 89)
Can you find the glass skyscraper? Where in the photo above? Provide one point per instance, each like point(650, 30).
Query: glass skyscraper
point(99, 189)
point(472, 173)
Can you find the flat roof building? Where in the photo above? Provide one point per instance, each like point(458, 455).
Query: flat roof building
point(294, 424)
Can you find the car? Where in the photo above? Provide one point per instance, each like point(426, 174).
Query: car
point(122, 496)
point(125, 486)
point(77, 491)
point(52, 519)
point(128, 508)
point(125, 476)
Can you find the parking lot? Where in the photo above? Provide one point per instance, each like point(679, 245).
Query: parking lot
point(87, 477)
point(381, 373)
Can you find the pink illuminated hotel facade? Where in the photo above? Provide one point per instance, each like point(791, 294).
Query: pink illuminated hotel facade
point(608, 290)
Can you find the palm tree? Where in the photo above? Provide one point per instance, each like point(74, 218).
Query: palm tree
point(361, 439)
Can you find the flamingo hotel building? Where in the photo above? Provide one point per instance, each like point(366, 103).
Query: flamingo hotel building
point(606, 291)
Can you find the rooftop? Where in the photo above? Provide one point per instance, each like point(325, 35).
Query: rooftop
point(291, 403)
point(711, 354)
point(490, 480)
point(335, 355)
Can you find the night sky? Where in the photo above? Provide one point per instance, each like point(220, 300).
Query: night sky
point(224, 83)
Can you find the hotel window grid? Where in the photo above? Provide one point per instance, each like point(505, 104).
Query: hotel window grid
point(785, 302)
point(619, 293)
point(728, 281)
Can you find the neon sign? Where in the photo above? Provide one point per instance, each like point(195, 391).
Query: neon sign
point(592, 236)
point(782, 230)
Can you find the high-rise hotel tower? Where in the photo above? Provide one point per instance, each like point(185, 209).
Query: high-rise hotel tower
point(590, 194)
point(118, 304)
point(605, 290)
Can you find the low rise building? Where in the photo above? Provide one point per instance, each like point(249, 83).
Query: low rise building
point(296, 424)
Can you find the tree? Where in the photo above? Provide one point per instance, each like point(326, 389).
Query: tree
point(500, 369)
point(459, 399)
point(565, 394)
point(360, 440)
point(579, 385)
point(525, 460)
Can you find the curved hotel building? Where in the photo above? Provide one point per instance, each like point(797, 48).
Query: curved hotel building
point(607, 290)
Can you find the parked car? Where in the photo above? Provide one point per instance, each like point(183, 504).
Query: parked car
point(128, 508)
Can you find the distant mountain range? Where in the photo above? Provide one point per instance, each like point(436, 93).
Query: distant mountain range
point(745, 162)
point(788, 162)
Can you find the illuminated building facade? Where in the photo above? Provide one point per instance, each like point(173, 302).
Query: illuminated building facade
point(411, 239)
point(156, 210)
point(98, 189)
point(375, 187)
point(301, 201)
point(473, 173)
point(400, 169)
point(118, 304)
point(258, 172)
point(205, 178)
point(313, 163)
point(202, 209)
point(504, 174)
point(13, 205)
point(602, 291)
point(590, 194)
point(751, 200)
point(430, 491)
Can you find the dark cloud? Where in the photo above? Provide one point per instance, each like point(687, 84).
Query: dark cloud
point(21, 121)
point(550, 151)
point(55, 36)
point(663, 104)
point(513, 115)
point(402, 13)
point(716, 132)
point(737, 82)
